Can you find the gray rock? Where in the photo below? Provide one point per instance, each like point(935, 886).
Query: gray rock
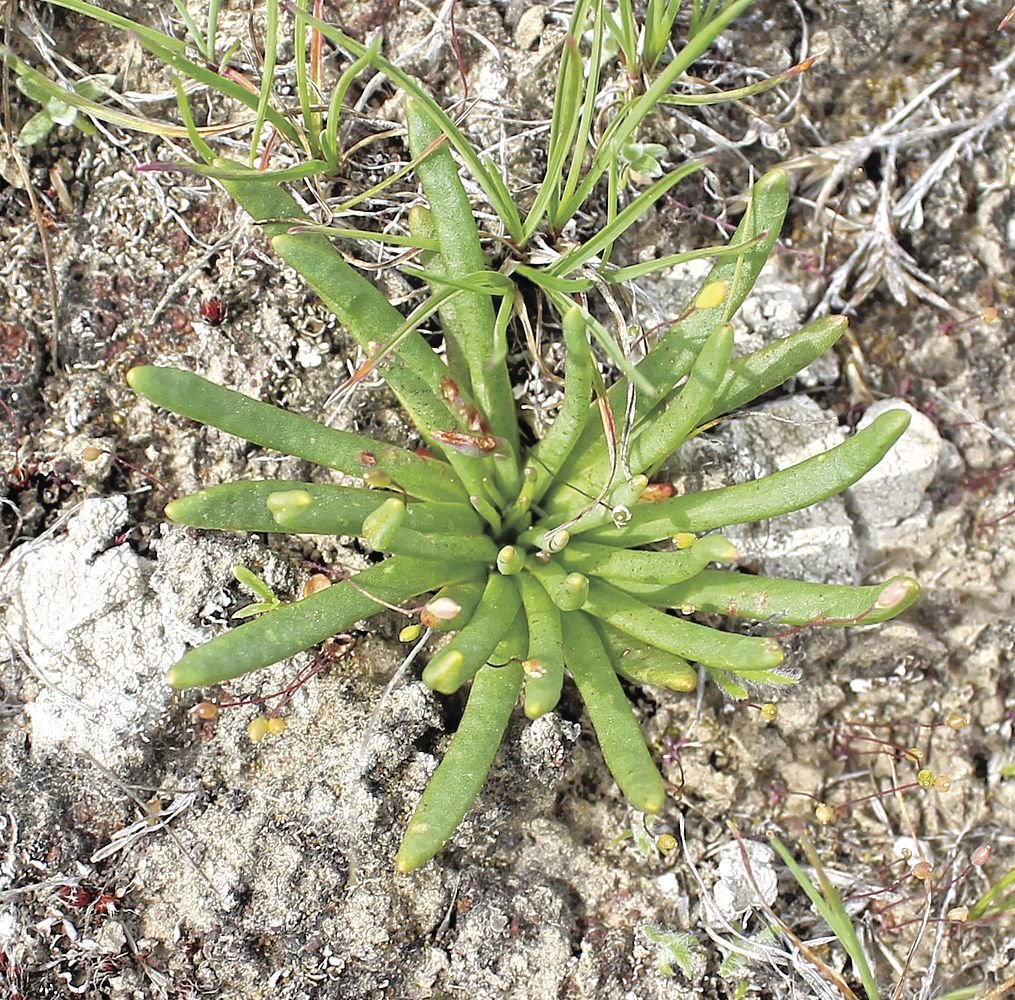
point(894, 489)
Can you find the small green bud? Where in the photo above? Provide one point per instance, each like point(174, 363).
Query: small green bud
point(628, 493)
point(572, 592)
point(288, 504)
point(510, 560)
point(381, 526)
point(410, 633)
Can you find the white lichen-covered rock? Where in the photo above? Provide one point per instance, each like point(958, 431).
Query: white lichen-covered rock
point(83, 616)
point(99, 625)
point(738, 890)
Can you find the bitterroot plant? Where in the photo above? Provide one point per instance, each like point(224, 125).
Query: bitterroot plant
point(546, 559)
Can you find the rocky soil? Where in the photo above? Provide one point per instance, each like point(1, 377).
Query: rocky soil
point(145, 852)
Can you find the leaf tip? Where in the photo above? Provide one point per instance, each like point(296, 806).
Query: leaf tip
point(175, 678)
point(897, 594)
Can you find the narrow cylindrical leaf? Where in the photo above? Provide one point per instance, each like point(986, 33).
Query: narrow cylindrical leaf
point(514, 644)
point(643, 664)
point(763, 370)
point(790, 602)
point(446, 548)
point(334, 510)
point(462, 772)
point(662, 434)
point(648, 569)
point(567, 590)
point(544, 674)
point(470, 315)
point(550, 453)
point(801, 485)
point(414, 371)
point(422, 224)
point(698, 643)
point(617, 730)
point(284, 505)
point(290, 433)
point(459, 660)
point(291, 628)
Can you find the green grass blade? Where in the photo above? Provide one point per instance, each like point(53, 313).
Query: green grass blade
point(192, 29)
point(626, 124)
point(574, 258)
point(993, 900)
point(311, 118)
point(345, 81)
point(143, 32)
point(223, 85)
point(193, 132)
point(563, 126)
point(488, 178)
point(829, 905)
point(267, 75)
point(342, 232)
point(620, 275)
point(549, 283)
point(606, 341)
point(565, 207)
point(44, 86)
point(223, 171)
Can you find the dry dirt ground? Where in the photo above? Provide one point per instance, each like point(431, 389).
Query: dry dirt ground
point(147, 853)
